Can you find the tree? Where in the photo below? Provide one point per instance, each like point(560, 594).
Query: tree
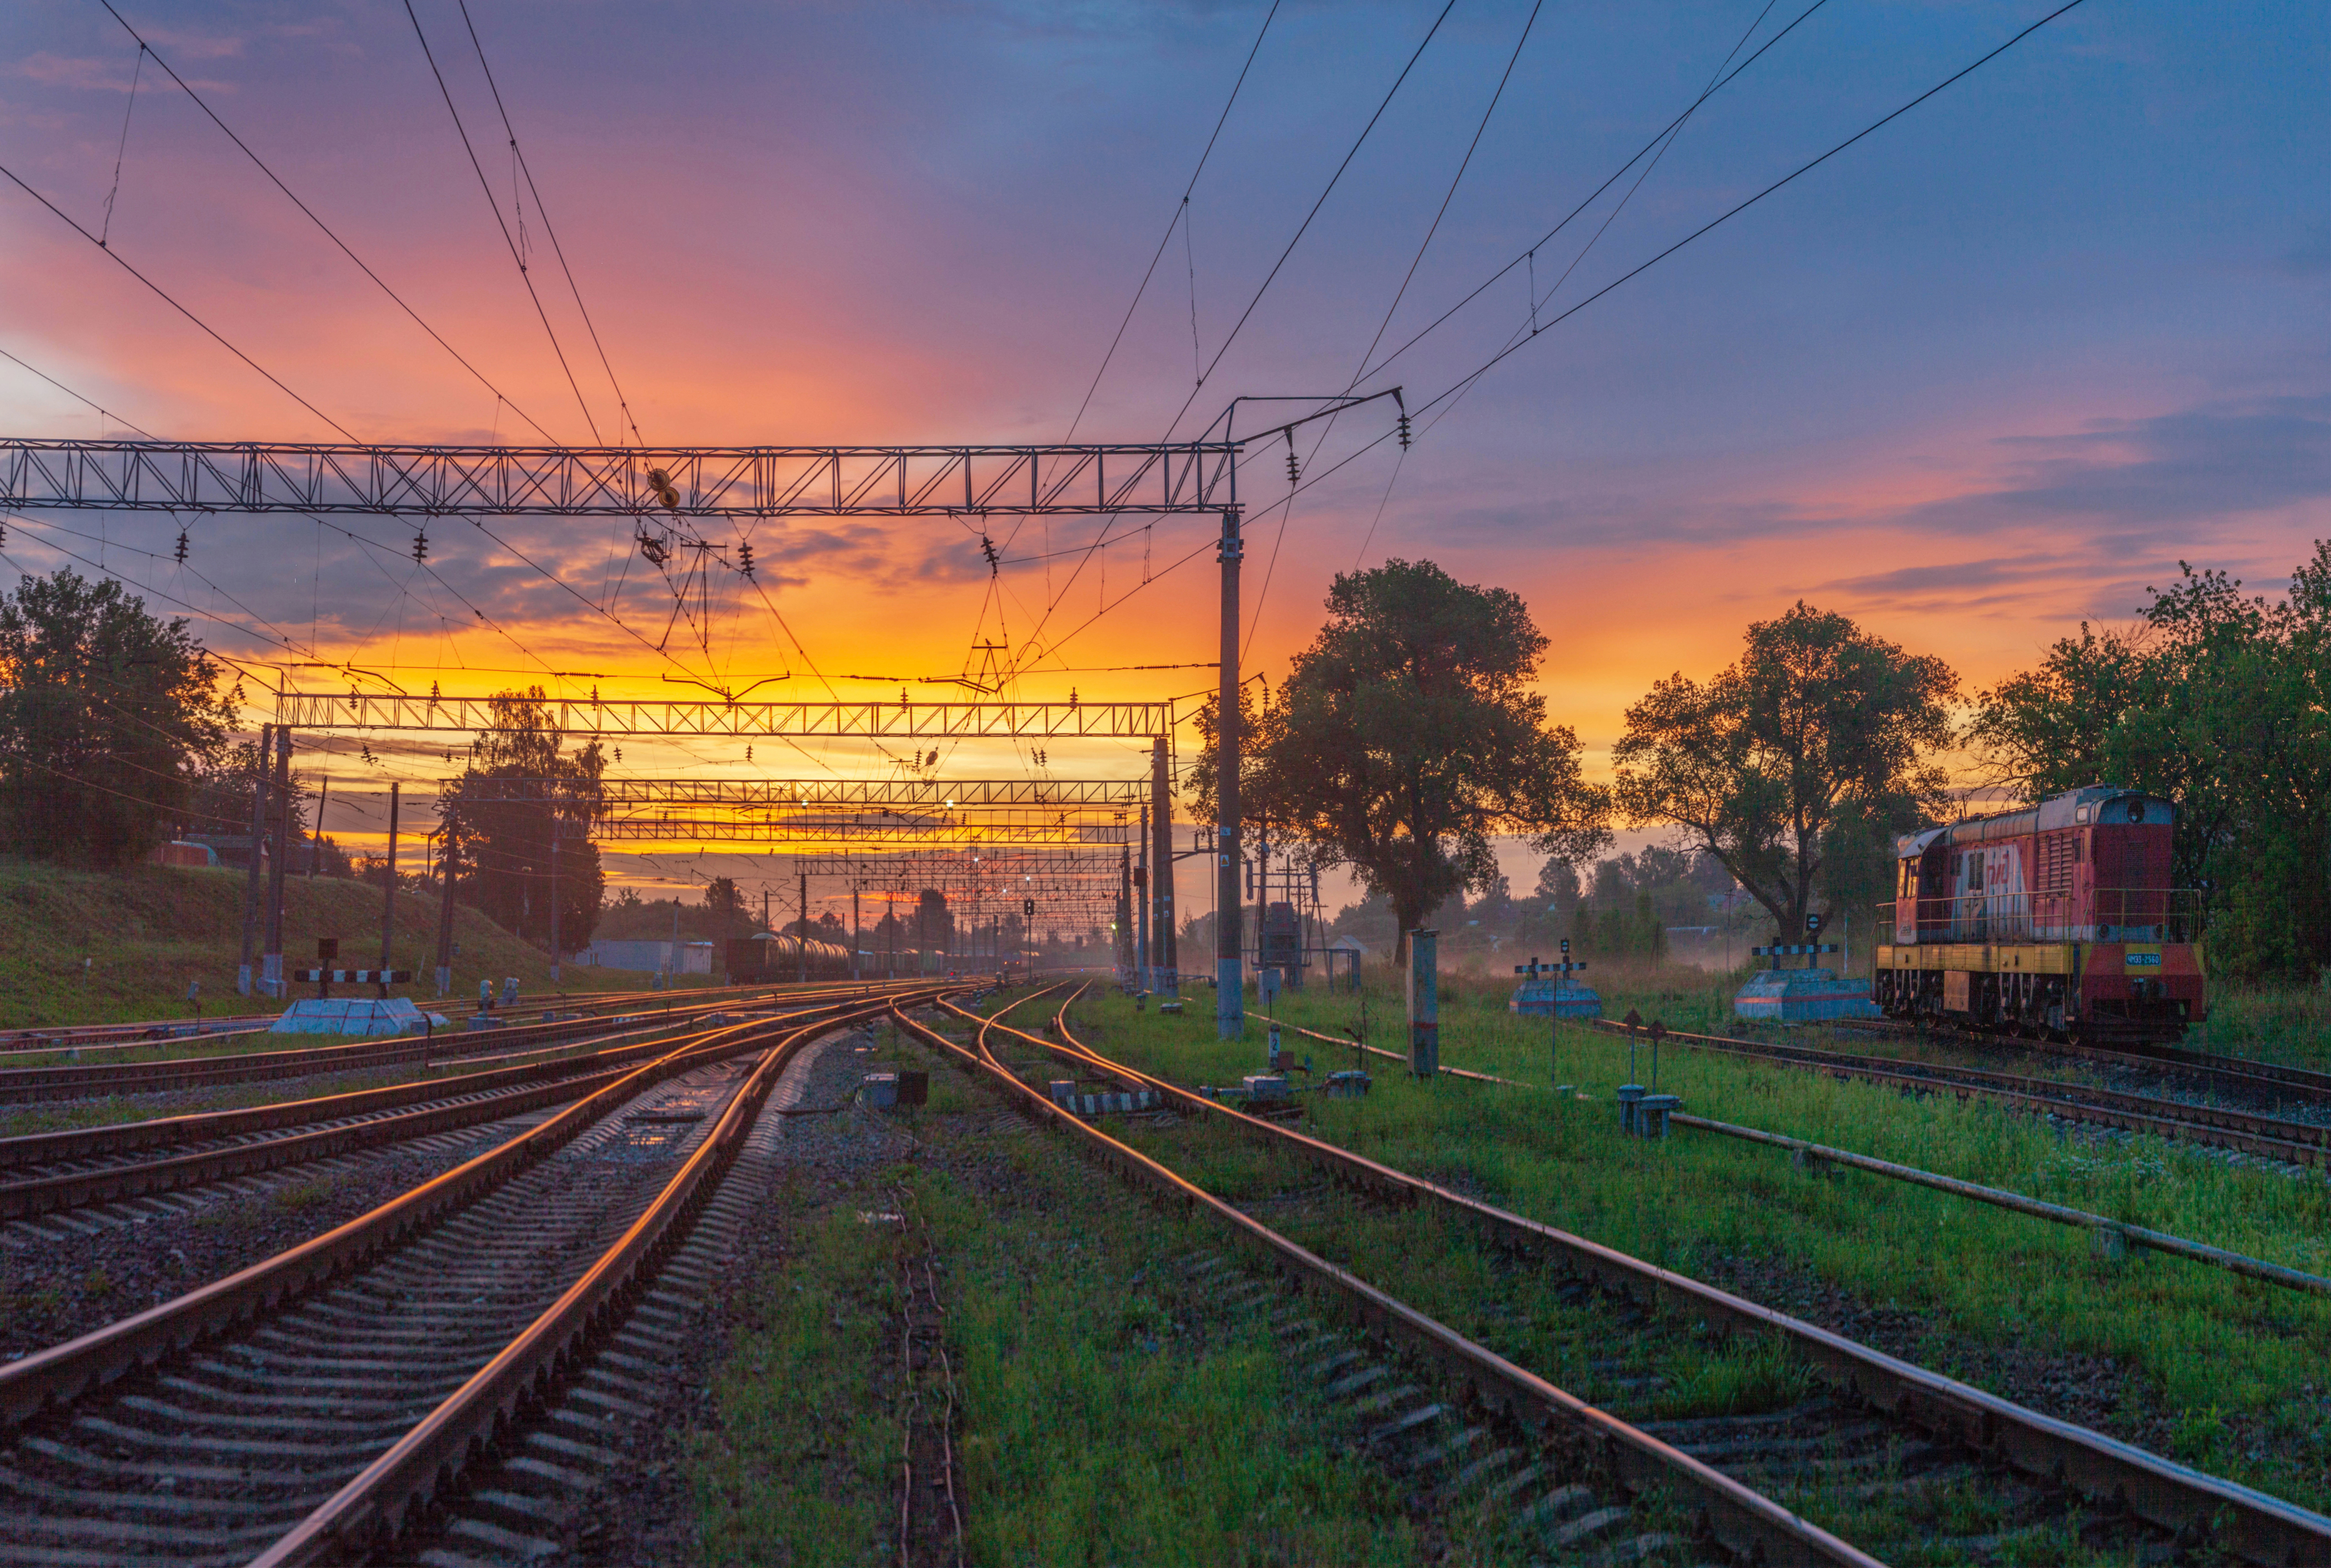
point(1405, 737)
point(506, 845)
point(106, 719)
point(1755, 766)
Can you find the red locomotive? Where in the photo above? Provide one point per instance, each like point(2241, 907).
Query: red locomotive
point(2058, 919)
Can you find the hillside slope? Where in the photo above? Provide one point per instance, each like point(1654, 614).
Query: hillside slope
point(89, 946)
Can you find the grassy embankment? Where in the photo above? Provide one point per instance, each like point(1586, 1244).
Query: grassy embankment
point(1110, 1411)
point(100, 947)
point(2222, 1373)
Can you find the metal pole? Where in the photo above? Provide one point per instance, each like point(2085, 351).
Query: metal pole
point(800, 944)
point(1230, 979)
point(388, 896)
point(446, 864)
point(1144, 978)
point(857, 932)
point(553, 899)
point(316, 836)
point(1163, 956)
point(271, 961)
point(251, 882)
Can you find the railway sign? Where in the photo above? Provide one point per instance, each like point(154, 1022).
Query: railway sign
point(1813, 925)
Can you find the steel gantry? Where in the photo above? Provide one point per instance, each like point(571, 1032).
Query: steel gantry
point(900, 717)
point(900, 795)
point(310, 478)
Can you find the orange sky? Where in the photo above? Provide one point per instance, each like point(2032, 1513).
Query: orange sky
point(1967, 393)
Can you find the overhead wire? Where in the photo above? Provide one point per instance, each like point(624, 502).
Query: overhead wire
point(309, 212)
point(485, 185)
point(76, 396)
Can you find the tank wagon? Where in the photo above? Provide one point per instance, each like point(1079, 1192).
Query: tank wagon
point(773, 960)
point(2058, 919)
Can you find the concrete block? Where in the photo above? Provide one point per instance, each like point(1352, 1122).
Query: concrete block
point(880, 1090)
point(1804, 996)
point(350, 1015)
point(1538, 998)
point(1263, 1086)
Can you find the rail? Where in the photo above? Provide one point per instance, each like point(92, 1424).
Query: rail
point(2257, 1527)
point(2099, 915)
point(430, 1457)
point(63, 1372)
point(1744, 1520)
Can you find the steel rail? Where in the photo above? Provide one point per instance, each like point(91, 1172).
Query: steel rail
point(394, 1489)
point(1744, 1520)
point(482, 1097)
point(62, 1373)
point(2256, 1527)
point(2296, 1143)
point(2240, 1072)
point(28, 1085)
point(2241, 1263)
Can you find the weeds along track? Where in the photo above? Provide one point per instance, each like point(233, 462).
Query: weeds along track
point(125, 1166)
point(2296, 1143)
point(87, 1080)
point(321, 1404)
point(1912, 1465)
point(2265, 1082)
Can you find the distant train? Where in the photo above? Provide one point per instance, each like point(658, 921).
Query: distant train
point(2055, 920)
point(767, 960)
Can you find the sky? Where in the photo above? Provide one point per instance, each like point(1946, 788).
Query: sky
point(1987, 373)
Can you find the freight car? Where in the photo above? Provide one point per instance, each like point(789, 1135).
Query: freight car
point(2057, 920)
point(767, 960)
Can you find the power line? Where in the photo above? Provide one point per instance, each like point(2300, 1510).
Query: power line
point(483, 184)
point(76, 396)
point(542, 212)
point(163, 296)
point(309, 213)
point(1804, 168)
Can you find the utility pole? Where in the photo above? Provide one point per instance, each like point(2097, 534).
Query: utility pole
point(1230, 977)
point(446, 864)
point(857, 932)
point(554, 895)
point(316, 839)
point(1164, 956)
point(1143, 978)
point(389, 898)
point(801, 947)
point(1125, 959)
point(251, 882)
point(271, 961)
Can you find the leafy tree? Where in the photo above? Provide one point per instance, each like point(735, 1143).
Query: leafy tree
point(1755, 766)
point(107, 717)
point(506, 845)
point(2220, 701)
point(1407, 736)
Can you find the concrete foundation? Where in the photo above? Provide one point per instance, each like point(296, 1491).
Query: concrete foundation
point(1804, 996)
point(354, 1015)
point(1538, 998)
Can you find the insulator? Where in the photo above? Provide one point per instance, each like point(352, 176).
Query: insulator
point(181, 551)
point(420, 546)
point(1294, 468)
point(745, 558)
point(1405, 439)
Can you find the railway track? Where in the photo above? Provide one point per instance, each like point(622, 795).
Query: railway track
point(505, 1317)
point(126, 1165)
point(2266, 1080)
point(2278, 1139)
point(76, 1081)
point(1892, 1451)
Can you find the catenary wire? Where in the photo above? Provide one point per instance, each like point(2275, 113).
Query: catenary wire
point(76, 396)
point(327, 231)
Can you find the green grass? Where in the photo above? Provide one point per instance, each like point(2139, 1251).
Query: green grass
point(1111, 1412)
point(102, 948)
point(2217, 1369)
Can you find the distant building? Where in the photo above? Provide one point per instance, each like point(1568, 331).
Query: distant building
point(648, 957)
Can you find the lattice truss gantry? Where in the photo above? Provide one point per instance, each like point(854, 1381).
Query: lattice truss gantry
point(983, 813)
point(899, 718)
point(651, 483)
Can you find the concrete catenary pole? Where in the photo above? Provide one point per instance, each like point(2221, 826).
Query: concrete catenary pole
point(250, 881)
point(1164, 956)
point(271, 960)
point(388, 896)
point(1143, 962)
point(316, 834)
point(1230, 977)
point(800, 945)
point(448, 864)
